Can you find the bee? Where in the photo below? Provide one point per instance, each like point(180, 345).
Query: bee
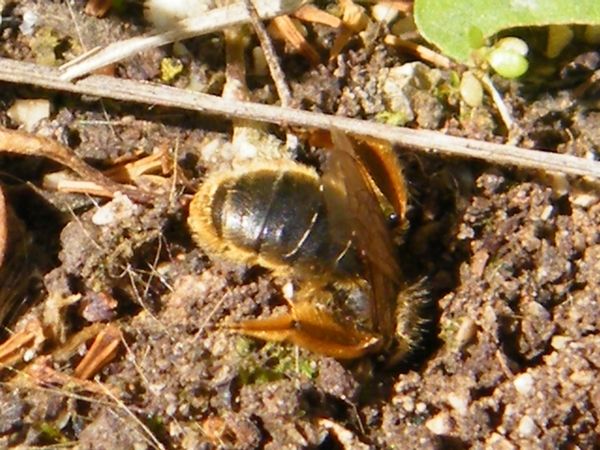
point(325, 231)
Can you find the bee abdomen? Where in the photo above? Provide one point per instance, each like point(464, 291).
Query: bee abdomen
point(279, 215)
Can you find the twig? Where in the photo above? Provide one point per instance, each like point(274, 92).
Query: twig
point(423, 140)
point(311, 13)
point(18, 142)
point(294, 38)
point(281, 85)
point(505, 115)
point(266, 44)
point(77, 187)
point(102, 351)
point(418, 50)
point(214, 20)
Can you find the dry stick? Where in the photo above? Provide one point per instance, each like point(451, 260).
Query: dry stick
point(422, 52)
point(505, 114)
point(314, 14)
point(283, 90)
point(423, 140)
point(266, 44)
point(21, 143)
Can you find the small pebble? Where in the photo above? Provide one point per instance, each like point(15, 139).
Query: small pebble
point(29, 112)
point(498, 442)
point(466, 332)
point(383, 12)
point(171, 409)
point(288, 291)
point(408, 404)
point(440, 424)
point(459, 402)
point(118, 209)
point(583, 377)
point(547, 212)
point(585, 199)
point(527, 427)
point(29, 24)
point(524, 384)
point(29, 355)
point(560, 342)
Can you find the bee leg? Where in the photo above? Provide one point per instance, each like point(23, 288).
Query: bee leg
point(313, 329)
point(409, 322)
point(277, 329)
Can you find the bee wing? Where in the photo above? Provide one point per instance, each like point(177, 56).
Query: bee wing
point(344, 173)
point(385, 170)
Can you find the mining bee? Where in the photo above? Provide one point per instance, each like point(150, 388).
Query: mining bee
point(326, 232)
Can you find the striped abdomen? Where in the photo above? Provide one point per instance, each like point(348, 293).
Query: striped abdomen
point(277, 214)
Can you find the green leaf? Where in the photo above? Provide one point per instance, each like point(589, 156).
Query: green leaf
point(450, 24)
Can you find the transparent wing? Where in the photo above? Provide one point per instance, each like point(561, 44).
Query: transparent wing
point(344, 174)
point(362, 220)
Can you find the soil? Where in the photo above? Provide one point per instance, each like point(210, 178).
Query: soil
point(504, 263)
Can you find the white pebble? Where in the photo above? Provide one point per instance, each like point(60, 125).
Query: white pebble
point(29, 113)
point(120, 208)
point(288, 291)
point(466, 332)
point(421, 408)
point(524, 384)
point(384, 12)
point(499, 442)
point(459, 402)
point(30, 21)
point(408, 404)
point(247, 150)
point(103, 216)
point(559, 342)
point(547, 212)
point(583, 377)
point(527, 427)
point(439, 424)
point(585, 199)
point(171, 409)
point(156, 389)
point(29, 354)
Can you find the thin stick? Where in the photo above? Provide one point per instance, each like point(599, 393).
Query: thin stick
point(266, 44)
point(214, 20)
point(277, 74)
point(310, 13)
point(18, 142)
point(505, 115)
point(418, 50)
point(423, 140)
